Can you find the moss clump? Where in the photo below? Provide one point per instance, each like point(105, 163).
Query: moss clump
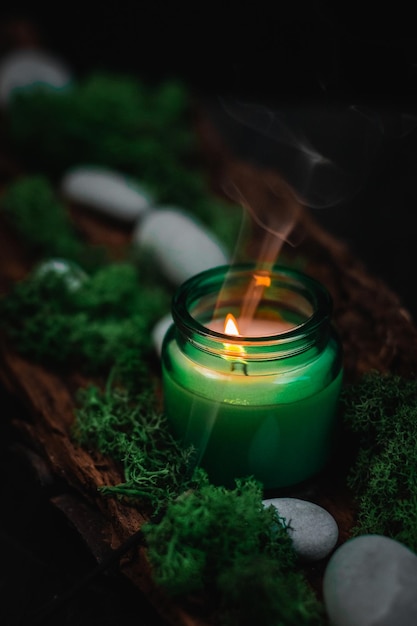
point(127, 428)
point(42, 221)
point(381, 411)
point(101, 322)
point(227, 544)
point(106, 119)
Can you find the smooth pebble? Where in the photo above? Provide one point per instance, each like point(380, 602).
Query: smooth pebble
point(178, 244)
point(313, 530)
point(159, 331)
point(28, 68)
point(371, 580)
point(106, 191)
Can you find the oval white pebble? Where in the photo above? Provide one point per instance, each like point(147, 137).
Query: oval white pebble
point(371, 580)
point(28, 68)
point(106, 191)
point(159, 331)
point(313, 530)
point(179, 244)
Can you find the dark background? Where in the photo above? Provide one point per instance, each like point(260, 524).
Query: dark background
point(312, 64)
point(339, 63)
point(328, 60)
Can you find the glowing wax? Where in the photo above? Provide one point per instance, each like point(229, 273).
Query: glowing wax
point(262, 406)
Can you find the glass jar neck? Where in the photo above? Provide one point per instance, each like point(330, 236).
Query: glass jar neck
point(293, 308)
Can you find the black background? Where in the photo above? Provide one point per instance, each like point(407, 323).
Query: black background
point(306, 54)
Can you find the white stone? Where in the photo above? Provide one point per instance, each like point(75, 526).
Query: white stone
point(371, 580)
point(70, 272)
point(179, 245)
point(28, 68)
point(106, 191)
point(159, 331)
point(313, 530)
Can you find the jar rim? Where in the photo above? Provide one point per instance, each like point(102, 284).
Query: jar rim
point(306, 331)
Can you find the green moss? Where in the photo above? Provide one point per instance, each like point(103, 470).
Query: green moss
point(128, 428)
point(227, 544)
point(113, 120)
point(31, 206)
point(205, 531)
point(102, 323)
point(381, 412)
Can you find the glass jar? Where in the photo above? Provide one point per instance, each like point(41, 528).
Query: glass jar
point(262, 403)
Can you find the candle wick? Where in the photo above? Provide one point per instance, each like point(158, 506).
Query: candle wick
point(234, 364)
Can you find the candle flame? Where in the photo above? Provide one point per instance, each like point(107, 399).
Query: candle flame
point(234, 353)
point(230, 325)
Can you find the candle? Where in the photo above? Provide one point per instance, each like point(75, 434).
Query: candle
point(261, 403)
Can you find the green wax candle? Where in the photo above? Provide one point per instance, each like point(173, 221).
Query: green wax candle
point(262, 404)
